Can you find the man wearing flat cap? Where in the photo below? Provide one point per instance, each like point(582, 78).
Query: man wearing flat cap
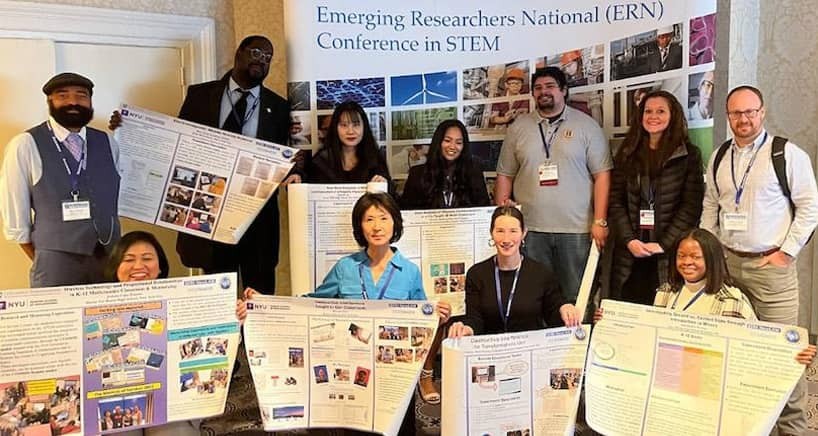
point(59, 186)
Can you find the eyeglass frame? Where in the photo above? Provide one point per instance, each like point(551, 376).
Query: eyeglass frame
point(736, 115)
point(258, 54)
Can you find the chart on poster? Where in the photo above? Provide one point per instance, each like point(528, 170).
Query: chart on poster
point(109, 357)
point(193, 178)
point(336, 363)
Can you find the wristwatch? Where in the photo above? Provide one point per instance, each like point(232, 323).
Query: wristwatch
point(601, 222)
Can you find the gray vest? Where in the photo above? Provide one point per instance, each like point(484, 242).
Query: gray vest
point(98, 183)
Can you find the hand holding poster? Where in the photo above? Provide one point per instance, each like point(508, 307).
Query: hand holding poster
point(336, 363)
point(524, 383)
point(108, 357)
point(193, 178)
point(652, 371)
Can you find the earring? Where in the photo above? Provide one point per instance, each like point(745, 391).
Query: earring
point(522, 243)
point(491, 242)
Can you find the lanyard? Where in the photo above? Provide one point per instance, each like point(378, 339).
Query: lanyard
point(505, 315)
point(547, 144)
point(364, 294)
point(72, 176)
point(740, 188)
point(689, 303)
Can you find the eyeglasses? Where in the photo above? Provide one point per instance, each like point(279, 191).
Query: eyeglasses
point(258, 54)
point(749, 113)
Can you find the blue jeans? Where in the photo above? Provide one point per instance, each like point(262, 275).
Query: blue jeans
point(566, 255)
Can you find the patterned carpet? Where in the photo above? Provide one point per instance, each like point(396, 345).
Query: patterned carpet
point(242, 417)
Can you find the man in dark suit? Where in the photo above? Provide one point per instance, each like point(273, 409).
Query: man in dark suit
point(667, 55)
point(239, 102)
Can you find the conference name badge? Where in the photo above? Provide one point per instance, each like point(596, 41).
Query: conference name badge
point(76, 210)
point(549, 176)
point(736, 221)
point(646, 219)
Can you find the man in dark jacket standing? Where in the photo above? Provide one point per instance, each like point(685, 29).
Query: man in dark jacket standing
point(240, 103)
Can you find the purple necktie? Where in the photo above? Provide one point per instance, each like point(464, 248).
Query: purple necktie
point(74, 143)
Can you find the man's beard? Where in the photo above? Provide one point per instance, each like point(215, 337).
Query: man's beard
point(69, 120)
point(547, 105)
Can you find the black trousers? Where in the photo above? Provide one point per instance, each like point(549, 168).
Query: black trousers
point(254, 258)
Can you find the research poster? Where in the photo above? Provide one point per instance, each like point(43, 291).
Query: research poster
point(411, 65)
point(443, 243)
point(336, 363)
point(525, 383)
point(195, 179)
point(652, 371)
point(106, 358)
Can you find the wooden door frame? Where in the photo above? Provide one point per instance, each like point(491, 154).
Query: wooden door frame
point(194, 36)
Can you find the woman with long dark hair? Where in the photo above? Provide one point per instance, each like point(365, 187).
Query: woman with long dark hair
point(350, 153)
point(450, 177)
point(656, 195)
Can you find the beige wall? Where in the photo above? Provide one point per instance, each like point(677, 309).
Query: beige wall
point(771, 45)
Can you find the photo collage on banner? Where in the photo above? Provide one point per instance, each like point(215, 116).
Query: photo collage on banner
point(607, 75)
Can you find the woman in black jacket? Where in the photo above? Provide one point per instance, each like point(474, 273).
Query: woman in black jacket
point(450, 177)
point(656, 195)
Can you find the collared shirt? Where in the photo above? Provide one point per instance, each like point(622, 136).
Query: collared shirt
point(580, 151)
point(22, 169)
point(770, 221)
point(344, 280)
point(231, 95)
point(728, 301)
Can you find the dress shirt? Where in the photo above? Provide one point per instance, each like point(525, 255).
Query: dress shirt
point(344, 280)
point(232, 94)
point(22, 169)
point(770, 220)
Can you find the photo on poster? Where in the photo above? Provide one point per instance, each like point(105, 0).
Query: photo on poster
point(421, 123)
point(300, 129)
point(361, 334)
point(475, 83)
point(288, 413)
point(120, 413)
point(368, 92)
point(585, 66)
point(249, 186)
point(212, 183)
point(385, 354)
point(263, 170)
point(404, 157)
point(565, 378)
point(427, 88)
point(245, 165)
point(179, 195)
point(486, 153)
point(362, 376)
point(173, 214)
point(323, 332)
point(421, 336)
point(296, 357)
point(403, 355)
point(702, 40)
point(201, 222)
point(298, 95)
point(700, 91)
point(340, 373)
point(502, 114)
point(33, 407)
point(441, 285)
point(321, 374)
point(457, 283)
point(589, 102)
point(483, 373)
point(206, 202)
point(649, 52)
point(184, 176)
point(393, 333)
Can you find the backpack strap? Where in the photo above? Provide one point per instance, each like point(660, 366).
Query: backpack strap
point(780, 167)
point(717, 160)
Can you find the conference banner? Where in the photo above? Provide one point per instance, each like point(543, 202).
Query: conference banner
point(413, 64)
point(193, 178)
point(653, 371)
point(525, 383)
point(105, 358)
point(336, 363)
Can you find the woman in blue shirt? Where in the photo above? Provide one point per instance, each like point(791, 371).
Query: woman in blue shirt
point(379, 271)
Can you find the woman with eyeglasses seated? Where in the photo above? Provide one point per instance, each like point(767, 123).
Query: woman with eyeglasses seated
point(699, 283)
point(508, 292)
